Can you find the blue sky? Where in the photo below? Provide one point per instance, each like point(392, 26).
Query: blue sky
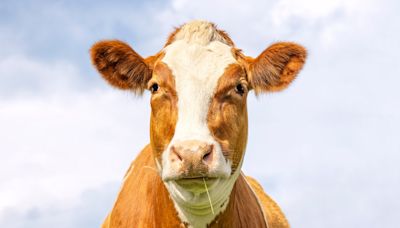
point(327, 149)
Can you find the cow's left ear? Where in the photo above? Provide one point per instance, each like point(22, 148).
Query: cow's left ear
point(276, 67)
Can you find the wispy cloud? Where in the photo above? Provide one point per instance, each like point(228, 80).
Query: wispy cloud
point(87, 211)
point(28, 77)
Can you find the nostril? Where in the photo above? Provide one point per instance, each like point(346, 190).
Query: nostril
point(175, 155)
point(207, 157)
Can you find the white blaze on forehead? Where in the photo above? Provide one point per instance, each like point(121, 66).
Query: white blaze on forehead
point(197, 65)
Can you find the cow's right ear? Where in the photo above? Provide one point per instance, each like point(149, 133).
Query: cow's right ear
point(120, 65)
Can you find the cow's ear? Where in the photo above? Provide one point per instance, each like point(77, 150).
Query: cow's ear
point(120, 65)
point(276, 67)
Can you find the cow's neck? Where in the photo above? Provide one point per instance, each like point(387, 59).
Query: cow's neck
point(195, 208)
point(144, 201)
point(243, 210)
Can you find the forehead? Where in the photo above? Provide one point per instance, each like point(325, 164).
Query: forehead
point(198, 63)
point(197, 58)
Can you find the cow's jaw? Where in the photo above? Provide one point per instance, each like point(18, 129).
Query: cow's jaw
point(196, 209)
point(197, 61)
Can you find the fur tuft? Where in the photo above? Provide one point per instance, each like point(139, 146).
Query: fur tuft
point(199, 32)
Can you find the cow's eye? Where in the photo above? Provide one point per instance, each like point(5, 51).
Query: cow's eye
point(240, 89)
point(154, 88)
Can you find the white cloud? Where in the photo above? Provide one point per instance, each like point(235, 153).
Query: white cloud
point(88, 211)
point(60, 146)
point(313, 10)
point(28, 77)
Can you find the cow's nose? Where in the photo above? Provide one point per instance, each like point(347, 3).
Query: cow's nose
point(193, 156)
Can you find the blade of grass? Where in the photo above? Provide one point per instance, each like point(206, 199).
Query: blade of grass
point(208, 194)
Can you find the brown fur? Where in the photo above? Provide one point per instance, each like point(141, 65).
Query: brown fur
point(171, 36)
point(143, 200)
point(243, 209)
point(164, 113)
point(274, 215)
point(227, 117)
point(153, 60)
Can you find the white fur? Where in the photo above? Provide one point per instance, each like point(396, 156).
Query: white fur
point(197, 58)
point(200, 32)
point(195, 209)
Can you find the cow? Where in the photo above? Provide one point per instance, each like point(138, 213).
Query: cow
point(189, 175)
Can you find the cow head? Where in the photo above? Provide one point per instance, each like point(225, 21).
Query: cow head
point(199, 83)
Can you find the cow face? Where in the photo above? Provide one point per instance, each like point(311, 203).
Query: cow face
point(199, 84)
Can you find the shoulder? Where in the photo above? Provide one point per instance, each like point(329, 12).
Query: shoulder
point(275, 216)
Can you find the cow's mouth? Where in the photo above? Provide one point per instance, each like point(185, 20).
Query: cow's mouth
point(197, 184)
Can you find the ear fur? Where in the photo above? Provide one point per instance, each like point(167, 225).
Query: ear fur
point(276, 67)
point(120, 65)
